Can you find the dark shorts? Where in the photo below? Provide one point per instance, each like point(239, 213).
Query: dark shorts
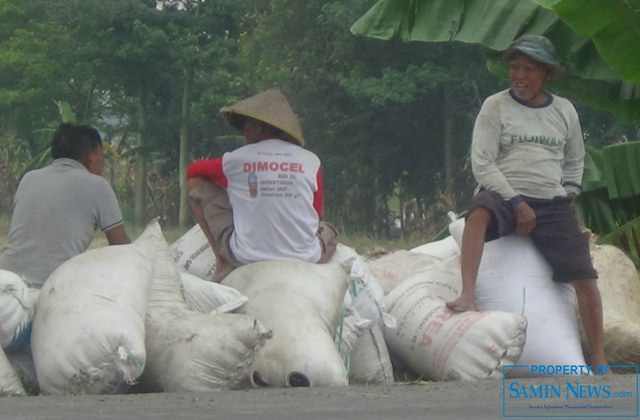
point(557, 234)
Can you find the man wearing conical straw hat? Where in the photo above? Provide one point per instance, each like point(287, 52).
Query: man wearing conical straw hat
point(264, 200)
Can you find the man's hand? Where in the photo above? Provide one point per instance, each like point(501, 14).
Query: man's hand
point(572, 198)
point(525, 218)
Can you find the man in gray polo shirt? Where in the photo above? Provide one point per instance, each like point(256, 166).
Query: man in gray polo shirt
point(57, 209)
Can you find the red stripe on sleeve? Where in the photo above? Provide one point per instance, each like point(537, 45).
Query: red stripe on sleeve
point(318, 196)
point(210, 169)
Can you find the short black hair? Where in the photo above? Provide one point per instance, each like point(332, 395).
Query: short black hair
point(74, 141)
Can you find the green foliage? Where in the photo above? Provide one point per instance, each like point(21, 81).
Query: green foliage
point(597, 41)
point(66, 113)
point(372, 110)
point(375, 112)
point(622, 169)
point(13, 156)
point(491, 23)
point(626, 237)
point(613, 27)
point(383, 89)
point(30, 69)
point(610, 202)
point(599, 44)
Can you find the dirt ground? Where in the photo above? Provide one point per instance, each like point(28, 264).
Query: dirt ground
point(477, 400)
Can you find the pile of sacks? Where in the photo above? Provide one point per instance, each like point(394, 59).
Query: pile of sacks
point(431, 341)
point(120, 315)
point(515, 286)
point(143, 317)
point(128, 318)
point(326, 320)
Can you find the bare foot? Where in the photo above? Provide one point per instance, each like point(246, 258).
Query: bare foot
point(222, 270)
point(462, 304)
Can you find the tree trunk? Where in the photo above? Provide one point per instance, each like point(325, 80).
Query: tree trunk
point(449, 142)
point(140, 183)
point(185, 140)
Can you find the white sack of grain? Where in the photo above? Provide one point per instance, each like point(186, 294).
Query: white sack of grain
point(190, 351)
point(366, 294)
point(443, 249)
point(361, 344)
point(350, 327)
point(363, 349)
point(208, 297)
point(393, 268)
point(10, 385)
point(440, 344)
point(193, 253)
point(369, 361)
point(88, 331)
point(300, 302)
point(17, 309)
point(514, 277)
point(620, 290)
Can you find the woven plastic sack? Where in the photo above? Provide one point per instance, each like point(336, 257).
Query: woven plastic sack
point(393, 268)
point(194, 254)
point(370, 362)
point(514, 277)
point(208, 297)
point(17, 309)
point(88, 331)
point(439, 344)
point(366, 294)
point(620, 290)
point(9, 383)
point(190, 351)
point(300, 302)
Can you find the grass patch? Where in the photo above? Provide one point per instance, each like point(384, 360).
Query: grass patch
point(4, 229)
point(367, 245)
point(171, 233)
point(363, 244)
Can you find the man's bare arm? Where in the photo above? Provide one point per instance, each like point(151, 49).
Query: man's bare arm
point(117, 236)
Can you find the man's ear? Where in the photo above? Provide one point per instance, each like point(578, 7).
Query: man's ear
point(549, 74)
point(91, 160)
point(86, 160)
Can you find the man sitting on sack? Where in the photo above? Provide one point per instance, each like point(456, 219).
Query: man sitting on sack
point(264, 200)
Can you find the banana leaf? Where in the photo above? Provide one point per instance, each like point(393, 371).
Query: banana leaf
point(622, 168)
point(598, 41)
point(610, 201)
point(41, 160)
point(611, 27)
point(66, 113)
point(627, 238)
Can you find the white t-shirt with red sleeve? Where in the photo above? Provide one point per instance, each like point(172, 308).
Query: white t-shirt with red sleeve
point(275, 191)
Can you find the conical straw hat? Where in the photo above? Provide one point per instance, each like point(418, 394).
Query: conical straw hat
point(270, 107)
